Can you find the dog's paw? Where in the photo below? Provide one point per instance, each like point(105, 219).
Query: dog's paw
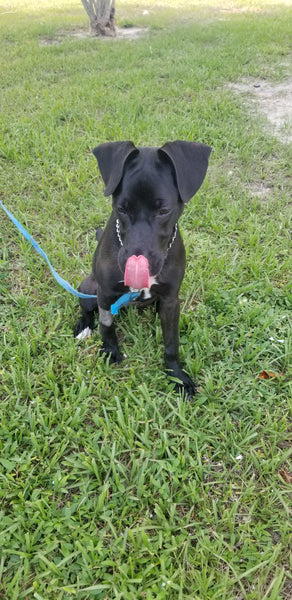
point(184, 384)
point(83, 328)
point(112, 355)
point(85, 333)
point(187, 388)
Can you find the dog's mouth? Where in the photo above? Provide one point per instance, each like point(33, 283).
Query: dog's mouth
point(137, 274)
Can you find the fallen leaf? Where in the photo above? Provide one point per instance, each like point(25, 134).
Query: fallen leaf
point(269, 375)
point(286, 475)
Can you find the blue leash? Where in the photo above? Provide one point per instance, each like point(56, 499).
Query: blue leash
point(123, 301)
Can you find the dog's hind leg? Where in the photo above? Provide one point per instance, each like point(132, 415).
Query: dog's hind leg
point(89, 306)
point(99, 233)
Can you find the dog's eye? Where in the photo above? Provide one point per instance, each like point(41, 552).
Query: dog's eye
point(163, 211)
point(122, 209)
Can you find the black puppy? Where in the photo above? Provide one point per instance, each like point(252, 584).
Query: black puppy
point(141, 247)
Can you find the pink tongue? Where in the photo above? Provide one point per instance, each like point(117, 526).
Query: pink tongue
point(137, 272)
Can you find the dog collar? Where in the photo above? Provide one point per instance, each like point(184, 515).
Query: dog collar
point(121, 242)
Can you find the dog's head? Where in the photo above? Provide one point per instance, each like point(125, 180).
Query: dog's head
point(149, 187)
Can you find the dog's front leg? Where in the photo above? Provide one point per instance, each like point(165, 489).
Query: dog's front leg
point(169, 315)
point(108, 335)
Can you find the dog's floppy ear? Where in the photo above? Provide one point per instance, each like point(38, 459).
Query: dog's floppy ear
point(111, 159)
point(190, 161)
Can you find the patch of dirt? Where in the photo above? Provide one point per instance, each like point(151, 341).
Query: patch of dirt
point(50, 42)
point(261, 191)
point(124, 33)
point(274, 101)
point(131, 33)
point(286, 592)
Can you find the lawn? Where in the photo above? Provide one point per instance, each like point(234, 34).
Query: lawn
point(112, 486)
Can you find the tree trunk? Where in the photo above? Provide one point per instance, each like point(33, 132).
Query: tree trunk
point(101, 15)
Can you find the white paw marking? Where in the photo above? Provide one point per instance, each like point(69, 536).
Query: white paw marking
point(85, 333)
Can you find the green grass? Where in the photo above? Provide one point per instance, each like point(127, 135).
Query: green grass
point(111, 486)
